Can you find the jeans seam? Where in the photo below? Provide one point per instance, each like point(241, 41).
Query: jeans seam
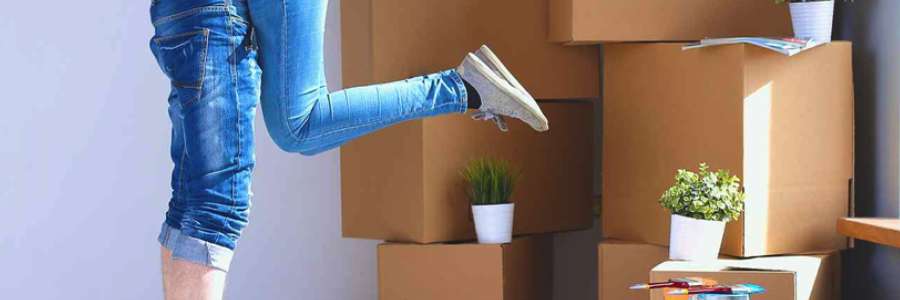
point(375, 122)
point(232, 60)
point(178, 35)
point(187, 13)
point(283, 70)
point(204, 60)
point(181, 184)
point(461, 102)
point(231, 9)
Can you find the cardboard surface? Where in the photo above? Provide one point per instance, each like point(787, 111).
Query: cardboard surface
point(783, 124)
point(622, 264)
point(403, 183)
point(596, 21)
point(521, 270)
point(387, 40)
point(803, 277)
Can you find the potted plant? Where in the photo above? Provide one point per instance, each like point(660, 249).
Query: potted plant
point(701, 203)
point(812, 19)
point(490, 185)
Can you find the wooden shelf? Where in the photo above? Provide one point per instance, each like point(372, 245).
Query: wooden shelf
point(882, 231)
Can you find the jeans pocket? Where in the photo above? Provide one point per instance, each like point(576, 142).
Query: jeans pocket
point(182, 57)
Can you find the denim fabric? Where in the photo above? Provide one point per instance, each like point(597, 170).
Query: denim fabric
point(214, 94)
point(301, 115)
point(195, 250)
point(207, 50)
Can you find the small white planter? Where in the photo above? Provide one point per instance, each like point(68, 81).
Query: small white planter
point(813, 20)
point(694, 239)
point(493, 223)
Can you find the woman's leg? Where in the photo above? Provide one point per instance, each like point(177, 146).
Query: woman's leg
point(190, 281)
point(212, 104)
point(301, 115)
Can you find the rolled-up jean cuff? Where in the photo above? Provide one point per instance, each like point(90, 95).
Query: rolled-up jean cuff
point(461, 88)
point(194, 250)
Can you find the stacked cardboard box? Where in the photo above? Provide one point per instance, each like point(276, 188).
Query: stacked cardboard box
point(403, 184)
point(521, 270)
point(811, 276)
point(387, 40)
point(596, 21)
point(783, 124)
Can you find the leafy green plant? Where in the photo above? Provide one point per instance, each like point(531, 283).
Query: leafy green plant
point(705, 195)
point(490, 181)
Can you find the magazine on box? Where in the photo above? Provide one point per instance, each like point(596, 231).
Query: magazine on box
point(786, 46)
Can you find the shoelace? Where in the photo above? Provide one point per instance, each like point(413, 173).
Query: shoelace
point(498, 119)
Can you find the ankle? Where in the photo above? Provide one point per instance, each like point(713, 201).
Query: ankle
point(473, 99)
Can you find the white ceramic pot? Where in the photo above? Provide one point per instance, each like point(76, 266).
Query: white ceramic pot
point(694, 239)
point(493, 223)
point(813, 19)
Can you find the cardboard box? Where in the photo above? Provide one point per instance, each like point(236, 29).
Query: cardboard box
point(387, 40)
point(782, 124)
point(596, 21)
point(809, 277)
point(521, 270)
point(625, 263)
point(403, 183)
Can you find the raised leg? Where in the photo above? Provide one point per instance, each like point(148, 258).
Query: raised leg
point(301, 115)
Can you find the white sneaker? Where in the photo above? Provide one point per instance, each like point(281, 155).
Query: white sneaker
point(491, 60)
point(498, 95)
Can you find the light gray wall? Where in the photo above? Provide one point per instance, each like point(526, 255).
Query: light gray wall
point(83, 145)
point(872, 271)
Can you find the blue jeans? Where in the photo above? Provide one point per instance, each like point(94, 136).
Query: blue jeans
point(219, 71)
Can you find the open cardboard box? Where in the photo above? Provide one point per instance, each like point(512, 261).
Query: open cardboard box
point(387, 40)
point(782, 124)
point(521, 270)
point(596, 21)
point(799, 277)
point(403, 183)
